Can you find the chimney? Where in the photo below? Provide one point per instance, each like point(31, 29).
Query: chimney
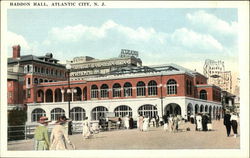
point(16, 51)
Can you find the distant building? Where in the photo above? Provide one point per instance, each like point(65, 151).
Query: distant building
point(27, 71)
point(216, 74)
point(85, 66)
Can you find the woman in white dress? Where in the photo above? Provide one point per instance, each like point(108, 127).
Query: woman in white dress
point(199, 122)
point(86, 128)
point(126, 122)
point(170, 123)
point(145, 123)
point(59, 135)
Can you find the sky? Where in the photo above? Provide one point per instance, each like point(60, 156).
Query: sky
point(161, 35)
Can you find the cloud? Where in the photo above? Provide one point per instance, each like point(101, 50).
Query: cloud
point(195, 41)
point(107, 29)
point(211, 23)
point(15, 39)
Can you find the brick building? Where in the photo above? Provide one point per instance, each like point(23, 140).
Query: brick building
point(28, 71)
point(132, 90)
point(155, 90)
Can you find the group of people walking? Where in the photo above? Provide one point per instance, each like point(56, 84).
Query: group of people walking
point(58, 137)
point(144, 122)
point(171, 123)
point(203, 122)
point(231, 120)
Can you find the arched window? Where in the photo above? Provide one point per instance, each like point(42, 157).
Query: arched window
point(36, 114)
point(56, 113)
point(152, 88)
point(171, 87)
point(127, 89)
point(203, 94)
point(147, 109)
point(99, 112)
point(58, 95)
point(94, 91)
point(77, 114)
point(49, 95)
point(40, 80)
point(122, 111)
point(140, 89)
point(104, 91)
point(116, 90)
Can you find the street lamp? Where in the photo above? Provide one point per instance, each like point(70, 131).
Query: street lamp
point(68, 67)
point(161, 97)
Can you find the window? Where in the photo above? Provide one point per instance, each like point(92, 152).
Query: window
point(36, 114)
point(148, 109)
point(77, 114)
point(104, 91)
point(140, 89)
point(203, 94)
point(94, 91)
point(122, 111)
point(28, 93)
point(116, 90)
point(56, 113)
point(187, 87)
point(127, 89)
point(152, 88)
point(28, 81)
point(171, 87)
point(99, 112)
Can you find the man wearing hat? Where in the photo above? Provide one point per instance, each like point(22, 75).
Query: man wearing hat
point(41, 135)
point(227, 122)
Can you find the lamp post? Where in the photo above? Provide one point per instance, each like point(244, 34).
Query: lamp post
point(68, 67)
point(161, 97)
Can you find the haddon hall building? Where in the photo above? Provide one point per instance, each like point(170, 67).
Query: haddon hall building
point(129, 90)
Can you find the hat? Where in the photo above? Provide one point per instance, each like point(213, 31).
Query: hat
point(43, 120)
point(62, 119)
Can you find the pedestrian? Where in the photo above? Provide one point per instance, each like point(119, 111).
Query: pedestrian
point(175, 123)
point(126, 122)
point(141, 123)
point(157, 119)
point(86, 128)
point(234, 122)
point(145, 123)
point(170, 123)
point(227, 122)
point(41, 135)
point(204, 121)
point(119, 122)
point(165, 121)
point(192, 119)
point(59, 136)
point(153, 121)
point(198, 122)
point(131, 123)
point(209, 123)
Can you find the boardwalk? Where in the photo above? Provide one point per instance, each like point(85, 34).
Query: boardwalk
point(155, 138)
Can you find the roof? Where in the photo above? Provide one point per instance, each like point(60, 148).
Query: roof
point(145, 71)
point(26, 58)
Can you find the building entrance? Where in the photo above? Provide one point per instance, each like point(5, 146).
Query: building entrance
point(173, 109)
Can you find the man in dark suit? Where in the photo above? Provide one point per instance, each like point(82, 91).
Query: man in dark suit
point(227, 122)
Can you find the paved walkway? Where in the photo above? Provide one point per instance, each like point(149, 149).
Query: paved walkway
point(155, 138)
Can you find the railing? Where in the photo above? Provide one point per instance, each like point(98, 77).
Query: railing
point(22, 132)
